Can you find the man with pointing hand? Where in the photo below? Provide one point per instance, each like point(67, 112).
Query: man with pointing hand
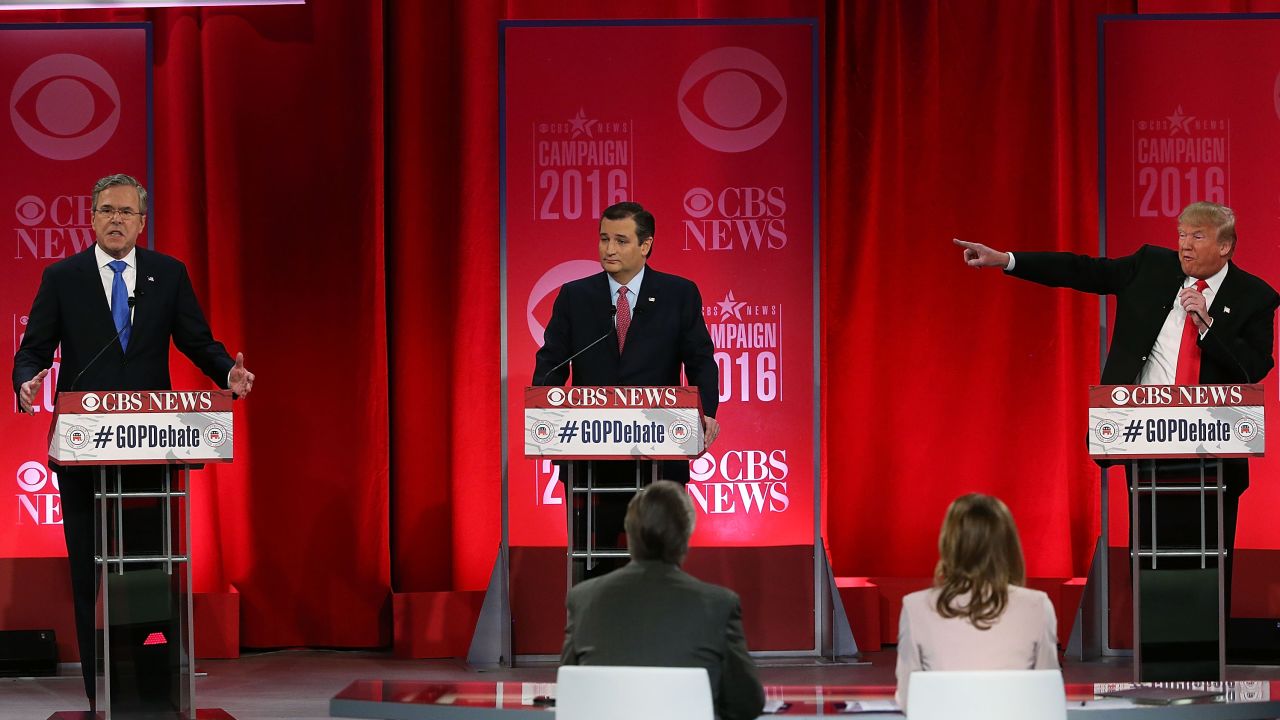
point(1184, 316)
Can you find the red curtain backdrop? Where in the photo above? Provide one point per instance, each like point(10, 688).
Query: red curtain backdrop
point(368, 458)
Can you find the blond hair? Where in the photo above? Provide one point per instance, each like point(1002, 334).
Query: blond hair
point(1214, 215)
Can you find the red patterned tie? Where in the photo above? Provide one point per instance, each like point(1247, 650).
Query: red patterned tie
point(624, 316)
point(1188, 372)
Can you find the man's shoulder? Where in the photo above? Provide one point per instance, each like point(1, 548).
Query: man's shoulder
point(717, 593)
point(584, 285)
point(1257, 284)
point(81, 260)
point(666, 279)
point(1157, 252)
point(157, 259)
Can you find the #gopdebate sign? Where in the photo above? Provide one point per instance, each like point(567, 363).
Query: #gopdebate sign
point(1176, 421)
point(141, 427)
point(581, 423)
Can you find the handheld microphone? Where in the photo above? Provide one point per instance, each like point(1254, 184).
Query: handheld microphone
point(132, 302)
point(612, 311)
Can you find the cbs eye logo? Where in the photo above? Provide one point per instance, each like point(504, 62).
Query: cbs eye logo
point(732, 99)
point(64, 107)
point(33, 476)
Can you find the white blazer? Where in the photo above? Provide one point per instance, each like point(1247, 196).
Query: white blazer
point(1024, 637)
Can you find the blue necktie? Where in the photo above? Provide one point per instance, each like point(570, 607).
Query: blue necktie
point(120, 302)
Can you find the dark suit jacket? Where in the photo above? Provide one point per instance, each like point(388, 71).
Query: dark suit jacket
point(71, 308)
point(653, 614)
point(667, 330)
point(1237, 349)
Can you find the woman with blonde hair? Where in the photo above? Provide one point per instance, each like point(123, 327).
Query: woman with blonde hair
point(977, 615)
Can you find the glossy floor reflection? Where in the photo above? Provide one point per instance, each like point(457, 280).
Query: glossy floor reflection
point(298, 684)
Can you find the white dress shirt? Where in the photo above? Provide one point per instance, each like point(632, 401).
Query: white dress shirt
point(109, 276)
point(633, 290)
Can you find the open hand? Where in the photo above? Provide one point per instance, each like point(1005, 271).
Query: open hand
point(240, 379)
point(30, 389)
point(710, 429)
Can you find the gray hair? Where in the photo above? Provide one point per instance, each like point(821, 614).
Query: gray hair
point(121, 179)
point(660, 520)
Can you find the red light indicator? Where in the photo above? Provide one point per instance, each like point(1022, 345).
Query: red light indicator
point(155, 638)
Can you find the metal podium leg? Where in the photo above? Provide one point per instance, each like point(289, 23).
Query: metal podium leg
point(102, 641)
point(145, 611)
point(1178, 598)
point(1135, 548)
point(1223, 611)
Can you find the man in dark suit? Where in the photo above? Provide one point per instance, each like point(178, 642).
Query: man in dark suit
point(1226, 315)
point(653, 614)
point(629, 325)
point(113, 308)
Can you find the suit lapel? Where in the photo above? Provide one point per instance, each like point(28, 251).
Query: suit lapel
point(1229, 295)
point(646, 302)
point(95, 295)
point(141, 311)
point(601, 291)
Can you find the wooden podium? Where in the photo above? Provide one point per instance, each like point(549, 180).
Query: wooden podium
point(589, 425)
point(1172, 438)
point(145, 639)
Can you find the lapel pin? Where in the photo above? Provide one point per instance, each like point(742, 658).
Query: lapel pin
point(650, 299)
point(151, 278)
point(1226, 309)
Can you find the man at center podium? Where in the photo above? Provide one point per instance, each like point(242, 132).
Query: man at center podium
point(630, 325)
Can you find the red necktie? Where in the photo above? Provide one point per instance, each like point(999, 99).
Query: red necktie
point(1188, 372)
point(624, 316)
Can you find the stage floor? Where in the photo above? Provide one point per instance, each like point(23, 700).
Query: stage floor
point(298, 684)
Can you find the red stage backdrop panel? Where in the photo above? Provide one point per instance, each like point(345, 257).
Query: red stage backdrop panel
point(710, 125)
point(78, 108)
point(1181, 127)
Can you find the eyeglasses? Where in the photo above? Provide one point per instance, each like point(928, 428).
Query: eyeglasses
point(107, 212)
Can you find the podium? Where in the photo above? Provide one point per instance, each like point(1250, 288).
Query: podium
point(589, 426)
point(143, 445)
point(1173, 439)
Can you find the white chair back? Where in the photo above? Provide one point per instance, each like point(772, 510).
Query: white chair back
point(632, 693)
point(987, 695)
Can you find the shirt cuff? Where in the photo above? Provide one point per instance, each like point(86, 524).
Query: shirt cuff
point(1009, 267)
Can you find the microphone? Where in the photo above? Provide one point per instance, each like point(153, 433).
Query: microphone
point(1244, 373)
point(612, 311)
point(132, 302)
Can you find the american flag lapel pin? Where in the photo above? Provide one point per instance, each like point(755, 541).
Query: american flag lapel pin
point(151, 278)
point(1226, 310)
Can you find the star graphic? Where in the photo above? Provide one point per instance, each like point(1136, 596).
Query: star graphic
point(730, 306)
point(581, 125)
point(1180, 121)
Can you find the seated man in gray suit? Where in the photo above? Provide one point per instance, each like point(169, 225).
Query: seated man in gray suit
point(651, 613)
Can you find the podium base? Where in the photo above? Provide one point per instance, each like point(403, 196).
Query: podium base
point(201, 714)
